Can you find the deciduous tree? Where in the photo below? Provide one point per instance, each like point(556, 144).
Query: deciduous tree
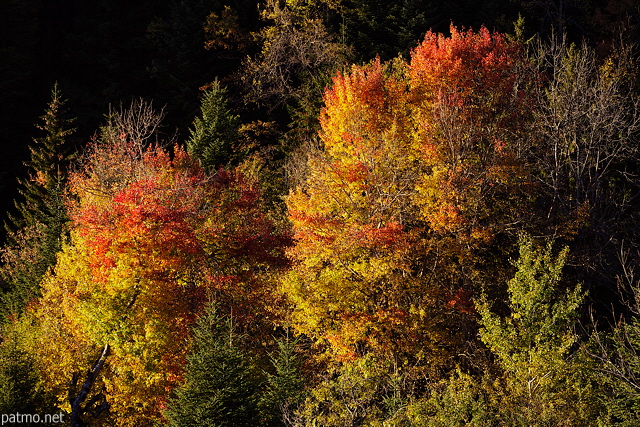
point(535, 343)
point(418, 176)
point(152, 234)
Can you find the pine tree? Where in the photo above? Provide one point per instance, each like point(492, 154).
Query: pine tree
point(40, 226)
point(285, 387)
point(215, 130)
point(50, 157)
point(221, 380)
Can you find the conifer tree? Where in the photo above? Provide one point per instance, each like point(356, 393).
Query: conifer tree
point(284, 389)
point(39, 228)
point(221, 380)
point(215, 130)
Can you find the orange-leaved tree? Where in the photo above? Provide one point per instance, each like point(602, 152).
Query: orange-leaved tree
point(419, 171)
point(152, 238)
point(353, 269)
point(472, 105)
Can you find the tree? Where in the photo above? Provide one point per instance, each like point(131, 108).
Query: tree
point(616, 352)
point(416, 182)
point(377, 28)
point(360, 392)
point(21, 390)
point(535, 342)
point(298, 55)
point(461, 400)
point(352, 253)
point(151, 236)
point(50, 159)
point(41, 226)
point(284, 389)
point(215, 132)
point(585, 151)
point(474, 100)
point(221, 381)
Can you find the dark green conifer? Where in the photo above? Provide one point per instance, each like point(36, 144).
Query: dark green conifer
point(221, 381)
point(285, 386)
point(215, 130)
point(35, 235)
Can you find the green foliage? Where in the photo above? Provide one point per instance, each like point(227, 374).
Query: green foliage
point(36, 235)
point(221, 379)
point(364, 391)
point(20, 387)
point(215, 131)
point(620, 374)
point(457, 401)
point(625, 402)
point(534, 343)
point(617, 356)
point(386, 29)
point(284, 388)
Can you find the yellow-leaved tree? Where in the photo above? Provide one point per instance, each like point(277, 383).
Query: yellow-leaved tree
point(152, 238)
point(419, 174)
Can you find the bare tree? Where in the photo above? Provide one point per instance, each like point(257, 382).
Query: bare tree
point(127, 135)
point(298, 51)
point(139, 124)
point(587, 127)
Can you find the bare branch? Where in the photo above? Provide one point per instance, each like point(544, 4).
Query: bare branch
point(76, 401)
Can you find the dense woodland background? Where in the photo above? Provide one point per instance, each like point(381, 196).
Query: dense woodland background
point(321, 212)
point(107, 53)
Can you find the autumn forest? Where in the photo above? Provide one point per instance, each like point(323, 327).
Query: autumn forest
point(320, 212)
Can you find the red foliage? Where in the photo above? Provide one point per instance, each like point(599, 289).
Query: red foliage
point(166, 219)
point(467, 68)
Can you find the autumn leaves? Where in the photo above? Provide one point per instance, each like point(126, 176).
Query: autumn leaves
point(407, 214)
point(419, 170)
point(152, 237)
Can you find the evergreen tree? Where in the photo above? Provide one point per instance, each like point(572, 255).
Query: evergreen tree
point(221, 380)
point(50, 158)
point(285, 387)
point(215, 130)
point(39, 228)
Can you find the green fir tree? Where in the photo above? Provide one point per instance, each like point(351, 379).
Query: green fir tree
point(284, 390)
point(215, 130)
point(35, 235)
point(221, 380)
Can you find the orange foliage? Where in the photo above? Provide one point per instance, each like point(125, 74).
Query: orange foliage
point(420, 168)
point(152, 236)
